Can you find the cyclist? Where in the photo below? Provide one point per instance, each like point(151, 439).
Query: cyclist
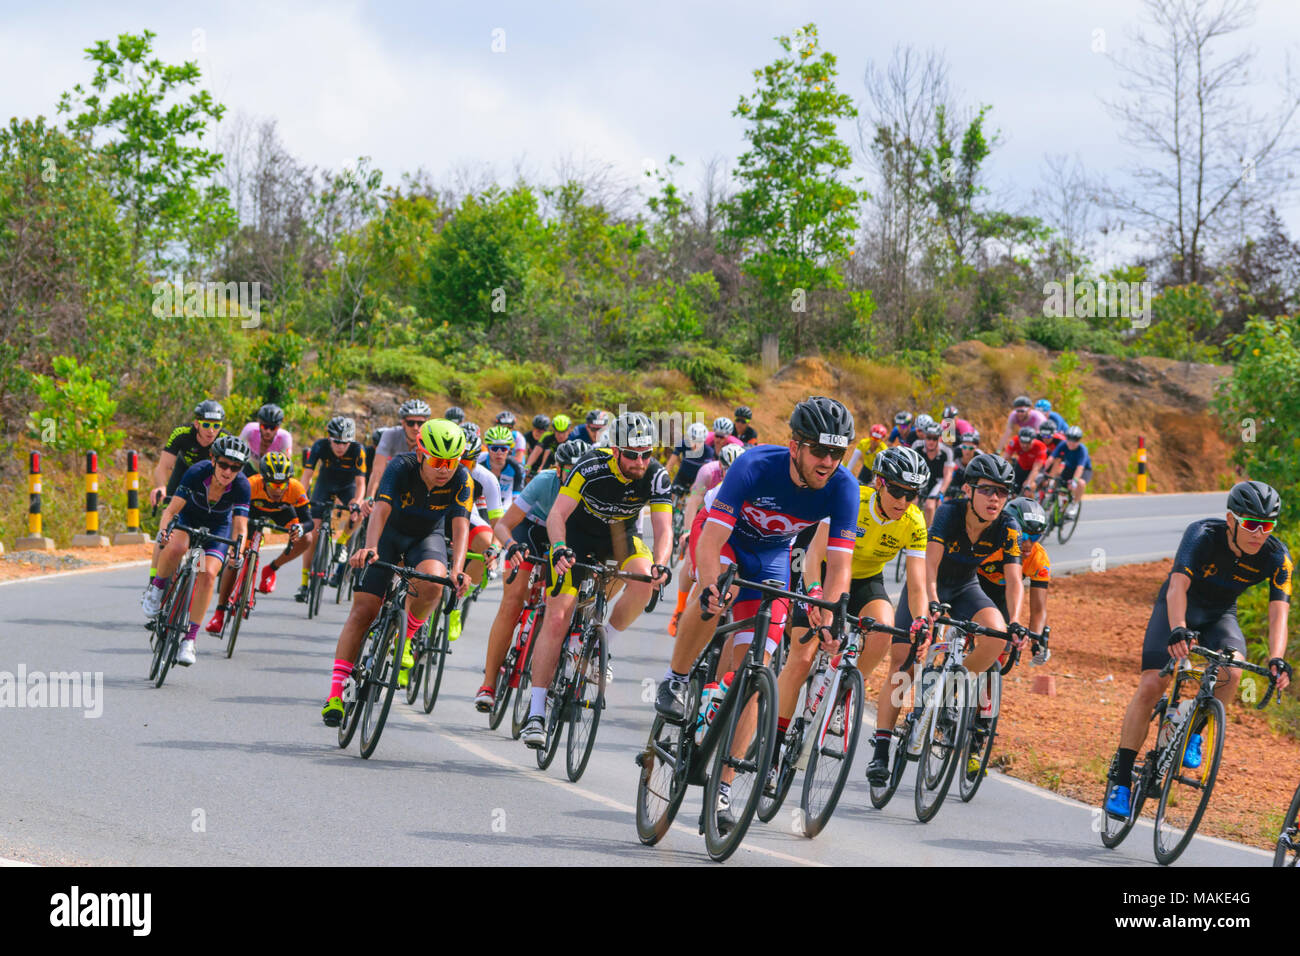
point(490, 501)
point(376, 436)
point(212, 494)
point(1051, 438)
point(723, 434)
point(1045, 407)
point(274, 495)
point(508, 472)
point(341, 461)
point(264, 435)
point(1070, 460)
point(1217, 560)
point(420, 491)
point(708, 478)
point(1021, 416)
point(741, 418)
point(954, 427)
point(940, 463)
point(966, 451)
point(888, 521)
point(540, 456)
point(689, 457)
point(902, 433)
point(185, 447)
point(517, 443)
point(524, 522)
point(455, 414)
point(866, 451)
point(402, 440)
point(590, 430)
point(1027, 455)
point(540, 424)
point(594, 518)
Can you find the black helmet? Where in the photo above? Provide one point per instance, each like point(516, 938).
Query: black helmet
point(455, 414)
point(970, 437)
point(506, 418)
point(232, 447)
point(473, 440)
point(1029, 514)
point(745, 412)
point(933, 430)
point(901, 465)
point(992, 467)
point(593, 416)
point(1045, 430)
point(270, 414)
point(1254, 499)
point(341, 428)
point(1028, 434)
point(541, 422)
point(633, 430)
point(1074, 432)
point(823, 420)
point(902, 418)
point(210, 410)
point(376, 436)
point(950, 411)
point(567, 452)
point(1021, 401)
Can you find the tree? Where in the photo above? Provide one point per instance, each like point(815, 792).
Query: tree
point(156, 174)
point(793, 219)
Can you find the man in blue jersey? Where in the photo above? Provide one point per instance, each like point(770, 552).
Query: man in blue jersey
point(1070, 461)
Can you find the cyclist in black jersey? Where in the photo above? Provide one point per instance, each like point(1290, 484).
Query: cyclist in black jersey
point(967, 448)
point(1217, 559)
point(185, 446)
point(542, 453)
point(338, 464)
point(940, 460)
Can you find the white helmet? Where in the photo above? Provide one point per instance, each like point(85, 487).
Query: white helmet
point(697, 433)
point(729, 455)
point(723, 426)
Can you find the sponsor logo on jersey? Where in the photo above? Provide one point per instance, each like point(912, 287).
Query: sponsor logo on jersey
point(773, 522)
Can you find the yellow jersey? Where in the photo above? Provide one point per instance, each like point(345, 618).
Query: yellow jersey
point(870, 448)
point(880, 540)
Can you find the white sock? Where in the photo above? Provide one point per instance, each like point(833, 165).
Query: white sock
point(611, 631)
point(538, 706)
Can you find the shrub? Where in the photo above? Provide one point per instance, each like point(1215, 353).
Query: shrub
point(75, 413)
point(711, 372)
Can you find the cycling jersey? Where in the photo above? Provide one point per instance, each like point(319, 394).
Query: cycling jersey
point(763, 508)
point(393, 442)
point(606, 497)
point(1032, 420)
point(536, 500)
point(199, 512)
point(282, 441)
point(880, 540)
point(961, 556)
point(902, 437)
point(418, 509)
point(487, 497)
point(293, 507)
point(549, 443)
point(748, 436)
point(715, 442)
point(1219, 576)
point(335, 470)
point(1035, 568)
point(1058, 423)
point(943, 457)
point(184, 444)
point(691, 462)
point(1072, 458)
point(511, 478)
point(709, 476)
point(869, 448)
point(1026, 458)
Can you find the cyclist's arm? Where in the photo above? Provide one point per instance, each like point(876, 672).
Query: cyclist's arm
point(558, 517)
point(708, 552)
point(459, 541)
point(674, 461)
point(1037, 609)
point(692, 507)
point(1176, 599)
point(1277, 623)
point(239, 527)
point(375, 526)
point(815, 555)
point(535, 458)
point(161, 471)
point(307, 475)
point(917, 602)
point(503, 530)
point(173, 509)
point(946, 480)
point(376, 473)
point(358, 489)
point(661, 522)
point(1015, 589)
point(933, 556)
point(855, 461)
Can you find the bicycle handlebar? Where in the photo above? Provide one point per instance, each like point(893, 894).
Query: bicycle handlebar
point(514, 549)
point(1224, 660)
point(602, 571)
point(201, 533)
point(409, 573)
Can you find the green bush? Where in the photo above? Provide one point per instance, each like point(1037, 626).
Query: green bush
point(710, 371)
point(75, 411)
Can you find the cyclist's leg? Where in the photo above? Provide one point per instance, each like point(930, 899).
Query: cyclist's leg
point(635, 558)
point(366, 601)
point(480, 538)
point(291, 551)
point(550, 642)
point(205, 581)
point(1223, 635)
point(428, 555)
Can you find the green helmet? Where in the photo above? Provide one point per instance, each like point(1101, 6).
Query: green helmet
point(499, 435)
point(561, 423)
point(441, 438)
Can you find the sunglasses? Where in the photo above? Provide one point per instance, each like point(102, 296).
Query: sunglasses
point(441, 464)
point(1255, 524)
point(414, 424)
point(897, 491)
point(634, 455)
point(824, 451)
point(992, 491)
point(276, 485)
point(227, 466)
point(499, 447)
point(967, 447)
point(210, 426)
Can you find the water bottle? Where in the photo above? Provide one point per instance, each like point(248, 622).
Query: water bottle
point(723, 686)
point(929, 678)
point(708, 707)
point(1169, 728)
point(816, 692)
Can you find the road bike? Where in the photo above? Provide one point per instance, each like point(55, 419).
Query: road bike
point(1054, 495)
point(431, 645)
point(245, 587)
point(680, 531)
point(1288, 841)
point(676, 758)
point(1184, 792)
point(172, 623)
point(351, 576)
point(513, 675)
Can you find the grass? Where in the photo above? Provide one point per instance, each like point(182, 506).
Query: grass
point(867, 384)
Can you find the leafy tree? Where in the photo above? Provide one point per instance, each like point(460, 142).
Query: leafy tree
point(1182, 317)
point(75, 413)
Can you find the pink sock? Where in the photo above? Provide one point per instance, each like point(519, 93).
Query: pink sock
point(194, 631)
point(412, 625)
point(342, 669)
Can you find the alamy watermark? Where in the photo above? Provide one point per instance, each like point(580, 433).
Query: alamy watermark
point(1085, 299)
point(77, 690)
point(208, 300)
point(670, 428)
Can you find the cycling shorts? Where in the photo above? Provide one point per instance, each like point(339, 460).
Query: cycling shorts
point(323, 494)
point(409, 550)
point(1219, 630)
point(862, 591)
point(965, 599)
point(621, 544)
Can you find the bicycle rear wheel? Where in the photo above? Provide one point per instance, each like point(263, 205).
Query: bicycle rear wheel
point(1288, 841)
point(435, 659)
point(979, 740)
point(245, 602)
point(586, 701)
point(880, 796)
point(769, 802)
point(757, 691)
point(1186, 790)
point(173, 626)
point(832, 755)
point(946, 726)
point(501, 690)
point(377, 695)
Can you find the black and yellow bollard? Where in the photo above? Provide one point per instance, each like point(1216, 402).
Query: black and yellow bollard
point(132, 534)
point(92, 538)
point(1142, 465)
point(34, 541)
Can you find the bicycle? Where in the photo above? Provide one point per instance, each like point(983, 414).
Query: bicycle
point(172, 622)
point(514, 670)
point(1163, 767)
point(351, 576)
point(1054, 495)
point(679, 528)
point(322, 558)
point(431, 644)
point(374, 674)
point(576, 695)
point(674, 759)
point(245, 588)
point(1288, 841)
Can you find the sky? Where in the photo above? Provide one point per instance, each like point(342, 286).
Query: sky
point(442, 85)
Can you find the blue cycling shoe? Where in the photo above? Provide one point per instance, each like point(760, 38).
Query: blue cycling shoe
point(1119, 800)
point(1192, 755)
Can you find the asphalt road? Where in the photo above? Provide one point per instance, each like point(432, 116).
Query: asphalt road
point(229, 763)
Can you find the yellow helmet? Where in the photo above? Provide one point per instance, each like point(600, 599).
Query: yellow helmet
point(442, 438)
point(276, 466)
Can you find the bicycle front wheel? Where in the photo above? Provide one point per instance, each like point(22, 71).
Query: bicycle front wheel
point(435, 657)
point(586, 701)
point(1288, 842)
point(972, 765)
point(377, 695)
point(172, 628)
point(523, 693)
point(881, 795)
point(724, 827)
point(661, 785)
point(557, 699)
point(1067, 523)
point(832, 754)
point(946, 727)
point(1186, 790)
point(244, 604)
point(319, 566)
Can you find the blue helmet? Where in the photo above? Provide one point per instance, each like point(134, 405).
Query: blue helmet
point(1043, 405)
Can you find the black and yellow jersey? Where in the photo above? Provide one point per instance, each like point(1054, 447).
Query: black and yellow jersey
point(183, 442)
point(962, 556)
point(606, 496)
point(334, 469)
point(418, 509)
point(1219, 576)
point(880, 540)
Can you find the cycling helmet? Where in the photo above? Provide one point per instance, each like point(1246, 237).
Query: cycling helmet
point(594, 417)
point(745, 412)
point(1027, 434)
point(729, 455)
point(1045, 430)
point(1021, 401)
point(723, 426)
point(950, 411)
point(561, 423)
point(698, 432)
point(413, 406)
point(506, 418)
point(567, 452)
point(1074, 433)
point(879, 432)
point(455, 414)
point(633, 430)
point(210, 410)
point(341, 428)
point(232, 447)
point(902, 466)
point(498, 435)
point(823, 420)
point(923, 422)
point(970, 438)
point(902, 418)
point(473, 440)
point(1043, 405)
point(541, 422)
point(992, 468)
point(441, 438)
point(270, 414)
point(933, 430)
point(1250, 499)
point(1029, 514)
point(276, 466)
